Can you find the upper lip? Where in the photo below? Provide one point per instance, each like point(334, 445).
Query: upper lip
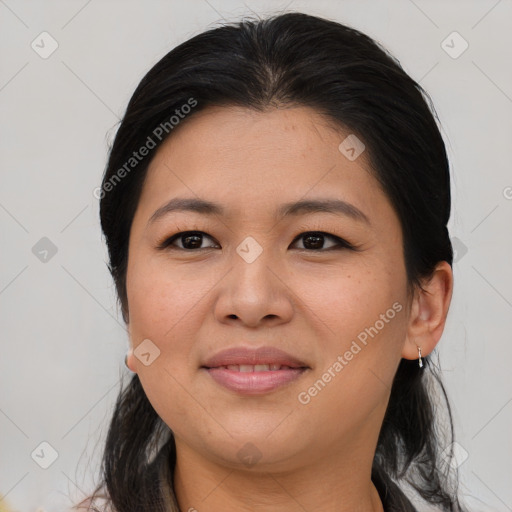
point(253, 356)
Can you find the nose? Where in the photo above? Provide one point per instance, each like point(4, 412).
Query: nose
point(254, 294)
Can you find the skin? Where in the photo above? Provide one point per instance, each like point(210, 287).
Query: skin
point(312, 303)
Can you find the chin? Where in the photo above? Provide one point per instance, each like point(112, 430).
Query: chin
point(253, 451)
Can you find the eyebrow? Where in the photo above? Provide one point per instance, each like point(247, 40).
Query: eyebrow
point(335, 206)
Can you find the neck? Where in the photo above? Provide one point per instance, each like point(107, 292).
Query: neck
point(333, 483)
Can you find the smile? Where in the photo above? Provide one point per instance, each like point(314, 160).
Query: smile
point(254, 379)
point(255, 367)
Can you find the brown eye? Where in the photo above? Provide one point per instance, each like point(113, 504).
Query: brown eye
point(312, 241)
point(190, 240)
point(315, 240)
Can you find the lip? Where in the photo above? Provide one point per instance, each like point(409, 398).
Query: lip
point(254, 383)
point(257, 382)
point(253, 356)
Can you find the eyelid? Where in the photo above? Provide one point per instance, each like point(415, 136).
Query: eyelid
point(341, 243)
point(328, 231)
point(168, 240)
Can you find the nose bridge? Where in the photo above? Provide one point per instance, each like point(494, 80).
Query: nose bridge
point(252, 275)
point(253, 290)
point(250, 250)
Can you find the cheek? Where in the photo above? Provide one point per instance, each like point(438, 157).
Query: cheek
point(159, 299)
point(360, 316)
point(156, 306)
point(345, 300)
point(162, 310)
point(363, 319)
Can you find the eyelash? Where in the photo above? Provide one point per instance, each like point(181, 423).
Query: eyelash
point(166, 243)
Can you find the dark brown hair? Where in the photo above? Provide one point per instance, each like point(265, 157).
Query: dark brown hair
point(293, 59)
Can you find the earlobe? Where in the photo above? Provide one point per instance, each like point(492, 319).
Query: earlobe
point(129, 361)
point(428, 312)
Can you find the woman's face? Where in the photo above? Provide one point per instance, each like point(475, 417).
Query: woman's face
point(255, 278)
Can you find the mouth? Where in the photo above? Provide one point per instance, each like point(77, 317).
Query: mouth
point(251, 368)
point(250, 371)
point(250, 380)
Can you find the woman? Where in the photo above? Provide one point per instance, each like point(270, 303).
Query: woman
point(275, 207)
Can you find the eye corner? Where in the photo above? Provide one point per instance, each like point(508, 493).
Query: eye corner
point(166, 243)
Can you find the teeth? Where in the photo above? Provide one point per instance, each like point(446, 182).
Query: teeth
point(255, 368)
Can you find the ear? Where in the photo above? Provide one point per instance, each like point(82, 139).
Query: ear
point(130, 360)
point(428, 312)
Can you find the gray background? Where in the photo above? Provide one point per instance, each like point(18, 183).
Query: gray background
point(63, 340)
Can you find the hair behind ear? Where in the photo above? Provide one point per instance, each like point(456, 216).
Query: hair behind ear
point(139, 456)
point(408, 446)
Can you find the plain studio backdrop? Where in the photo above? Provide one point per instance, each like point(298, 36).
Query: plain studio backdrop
point(68, 69)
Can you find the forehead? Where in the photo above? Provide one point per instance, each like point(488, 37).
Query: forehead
point(244, 158)
point(238, 133)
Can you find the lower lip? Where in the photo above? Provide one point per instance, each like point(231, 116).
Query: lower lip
point(254, 383)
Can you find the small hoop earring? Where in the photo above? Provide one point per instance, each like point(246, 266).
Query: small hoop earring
point(420, 361)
